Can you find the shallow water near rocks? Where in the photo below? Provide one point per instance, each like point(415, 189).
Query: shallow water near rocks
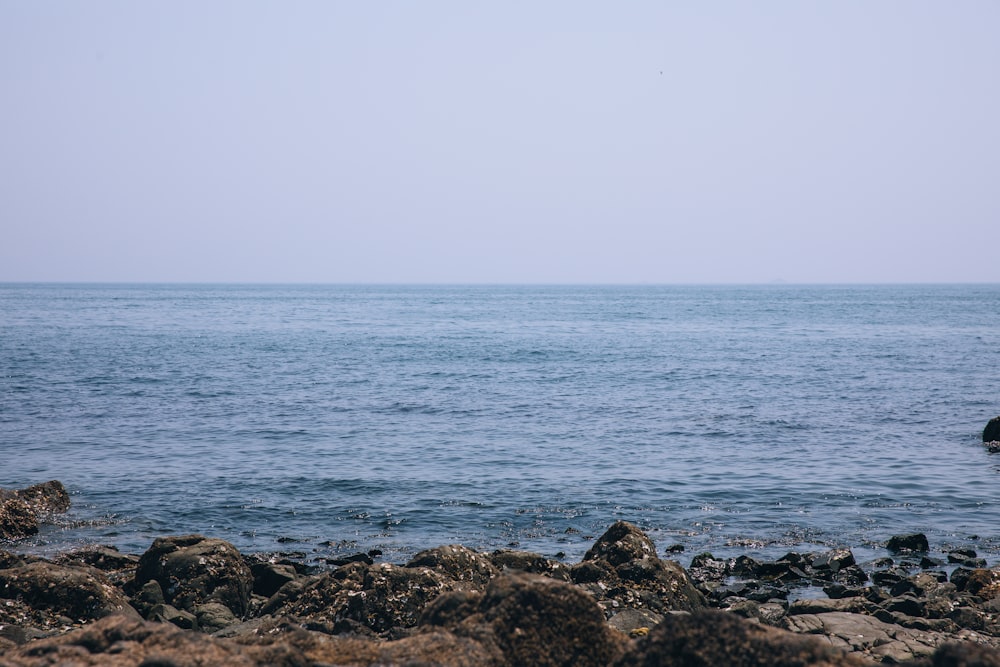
point(337, 419)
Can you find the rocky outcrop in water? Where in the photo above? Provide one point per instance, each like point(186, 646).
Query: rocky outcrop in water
point(991, 435)
point(22, 510)
point(196, 600)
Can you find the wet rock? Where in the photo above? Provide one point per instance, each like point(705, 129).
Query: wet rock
point(458, 563)
point(718, 638)
point(77, 593)
point(622, 570)
point(992, 431)
point(380, 597)
point(745, 566)
point(213, 616)
point(17, 519)
point(193, 570)
point(831, 562)
point(960, 577)
point(966, 558)
point(890, 577)
point(929, 562)
point(838, 591)
point(706, 567)
point(46, 498)
point(908, 543)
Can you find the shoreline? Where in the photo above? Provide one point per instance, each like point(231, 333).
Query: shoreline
point(194, 598)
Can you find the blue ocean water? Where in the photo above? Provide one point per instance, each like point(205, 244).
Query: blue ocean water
point(337, 419)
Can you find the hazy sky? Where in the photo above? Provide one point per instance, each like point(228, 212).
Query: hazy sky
point(668, 142)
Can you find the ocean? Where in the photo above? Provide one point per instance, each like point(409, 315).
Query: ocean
point(329, 420)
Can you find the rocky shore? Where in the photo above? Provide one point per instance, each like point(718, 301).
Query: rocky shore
point(196, 600)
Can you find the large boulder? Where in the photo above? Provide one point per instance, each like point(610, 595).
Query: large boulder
point(457, 562)
point(77, 593)
point(622, 570)
point(193, 570)
point(530, 620)
point(361, 597)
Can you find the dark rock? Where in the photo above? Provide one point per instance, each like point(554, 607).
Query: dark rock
point(214, 616)
point(832, 562)
point(983, 583)
point(629, 574)
point(717, 638)
point(344, 560)
point(838, 591)
point(851, 575)
point(883, 562)
point(992, 431)
point(381, 597)
point(106, 559)
point(17, 519)
point(165, 613)
point(965, 654)
point(79, 593)
point(268, 578)
point(745, 566)
point(960, 577)
point(193, 570)
point(966, 558)
point(908, 543)
point(706, 567)
point(905, 604)
point(148, 597)
point(889, 578)
point(927, 562)
point(535, 620)
point(675, 549)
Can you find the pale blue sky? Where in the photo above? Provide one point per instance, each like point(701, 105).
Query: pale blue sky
point(666, 142)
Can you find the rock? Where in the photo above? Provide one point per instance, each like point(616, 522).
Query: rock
point(165, 613)
point(622, 570)
point(706, 567)
point(17, 520)
point(831, 562)
point(214, 616)
point(630, 620)
point(268, 578)
point(77, 593)
point(908, 543)
point(193, 570)
point(992, 431)
point(718, 638)
point(458, 563)
point(380, 597)
point(531, 620)
point(983, 583)
point(46, 498)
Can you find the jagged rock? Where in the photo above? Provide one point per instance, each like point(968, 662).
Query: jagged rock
point(193, 570)
point(381, 597)
point(457, 562)
point(631, 620)
point(983, 583)
point(77, 593)
point(991, 433)
point(622, 571)
point(531, 620)
point(46, 498)
point(908, 543)
point(706, 567)
point(268, 578)
point(718, 638)
point(17, 519)
point(165, 613)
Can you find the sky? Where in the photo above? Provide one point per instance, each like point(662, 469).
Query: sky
point(846, 141)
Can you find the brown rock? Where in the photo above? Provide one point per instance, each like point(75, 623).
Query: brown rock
point(17, 520)
point(622, 570)
point(193, 570)
point(46, 498)
point(718, 638)
point(76, 593)
point(458, 563)
point(531, 620)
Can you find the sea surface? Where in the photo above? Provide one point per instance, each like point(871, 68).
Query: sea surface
point(329, 420)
